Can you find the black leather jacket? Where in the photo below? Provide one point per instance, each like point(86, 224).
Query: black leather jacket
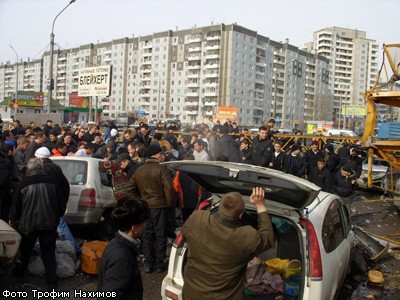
point(37, 204)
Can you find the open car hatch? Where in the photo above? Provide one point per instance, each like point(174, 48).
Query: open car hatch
point(224, 177)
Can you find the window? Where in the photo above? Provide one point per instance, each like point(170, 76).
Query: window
point(333, 227)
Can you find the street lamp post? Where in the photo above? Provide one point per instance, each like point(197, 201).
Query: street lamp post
point(51, 85)
point(16, 84)
point(275, 75)
point(159, 98)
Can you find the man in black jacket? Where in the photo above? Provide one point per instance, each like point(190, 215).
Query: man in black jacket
point(295, 164)
point(261, 148)
point(227, 146)
point(321, 176)
point(5, 184)
point(119, 271)
point(311, 157)
point(278, 158)
point(36, 210)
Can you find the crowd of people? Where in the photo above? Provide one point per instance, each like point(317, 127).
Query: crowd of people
point(133, 157)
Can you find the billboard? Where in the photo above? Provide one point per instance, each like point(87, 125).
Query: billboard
point(354, 110)
point(26, 98)
point(226, 112)
point(94, 81)
point(77, 101)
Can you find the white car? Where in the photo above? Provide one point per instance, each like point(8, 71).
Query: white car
point(91, 199)
point(312, 226)
point(379, 170)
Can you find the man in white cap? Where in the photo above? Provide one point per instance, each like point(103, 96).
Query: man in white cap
point(55, 171)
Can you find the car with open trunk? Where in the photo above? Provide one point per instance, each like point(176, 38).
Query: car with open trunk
point(311, 227)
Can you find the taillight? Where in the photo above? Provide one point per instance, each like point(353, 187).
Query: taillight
point(88, 198)
point(178, 240)
point(313, 249)
point(171, 295)
point(204, 204)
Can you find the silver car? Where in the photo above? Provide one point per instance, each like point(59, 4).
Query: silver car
point(312, 226)
point(91, 198)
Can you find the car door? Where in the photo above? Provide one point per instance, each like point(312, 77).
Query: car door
point(336, 244)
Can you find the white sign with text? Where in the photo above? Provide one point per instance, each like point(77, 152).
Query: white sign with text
point(94, 81)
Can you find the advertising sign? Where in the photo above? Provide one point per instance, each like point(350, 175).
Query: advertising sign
point(77, 101)
point(94, 81)
point(354, 110)
point(226, 112)
point(28, 99)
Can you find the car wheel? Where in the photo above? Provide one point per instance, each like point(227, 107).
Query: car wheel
point(106, 228)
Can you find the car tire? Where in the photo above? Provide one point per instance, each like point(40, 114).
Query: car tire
point(106, 228)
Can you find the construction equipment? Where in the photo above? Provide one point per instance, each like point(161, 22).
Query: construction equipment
point(382, 93)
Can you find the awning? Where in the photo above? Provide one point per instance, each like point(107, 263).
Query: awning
point(82, 109)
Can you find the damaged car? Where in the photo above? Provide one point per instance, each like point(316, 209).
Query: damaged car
point(312, 228)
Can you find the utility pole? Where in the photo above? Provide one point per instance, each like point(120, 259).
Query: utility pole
point(51, 84)
point(16, 85)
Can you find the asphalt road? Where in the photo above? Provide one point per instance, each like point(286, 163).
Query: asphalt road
point(79, 286)
point(371, 211)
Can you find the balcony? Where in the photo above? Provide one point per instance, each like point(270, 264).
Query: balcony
point(194, 40)
point(194, 49)
point(147, 45)
point(211, 84)
point(147, 61)
point(192, 113)
point(192, 94)
point(194, 67)
point(212, 75)
point(193, 84)
point(214, 103)
point(213, 47)
point(194, 57)
point(208, 113)
point(213, 37)
point(211, 94)
point(211, 66)
point(193, 75)
point(212, 56)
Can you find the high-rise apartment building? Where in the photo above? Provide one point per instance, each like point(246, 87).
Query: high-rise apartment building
point(354, 65)
point(187, 74)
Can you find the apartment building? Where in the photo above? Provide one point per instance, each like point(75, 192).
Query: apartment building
point(354, 66)
point(187, 74)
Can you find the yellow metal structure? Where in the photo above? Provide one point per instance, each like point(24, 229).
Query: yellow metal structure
point(379, 94)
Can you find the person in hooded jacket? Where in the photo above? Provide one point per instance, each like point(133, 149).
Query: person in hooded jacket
point(108, 151)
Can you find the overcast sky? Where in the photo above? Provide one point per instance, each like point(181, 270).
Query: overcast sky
point(26, 24)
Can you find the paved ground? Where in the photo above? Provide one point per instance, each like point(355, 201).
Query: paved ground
point(370, 211)
point(376, 214)
point(77, 286)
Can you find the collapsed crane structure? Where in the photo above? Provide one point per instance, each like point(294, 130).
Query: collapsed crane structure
point(383, 93)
